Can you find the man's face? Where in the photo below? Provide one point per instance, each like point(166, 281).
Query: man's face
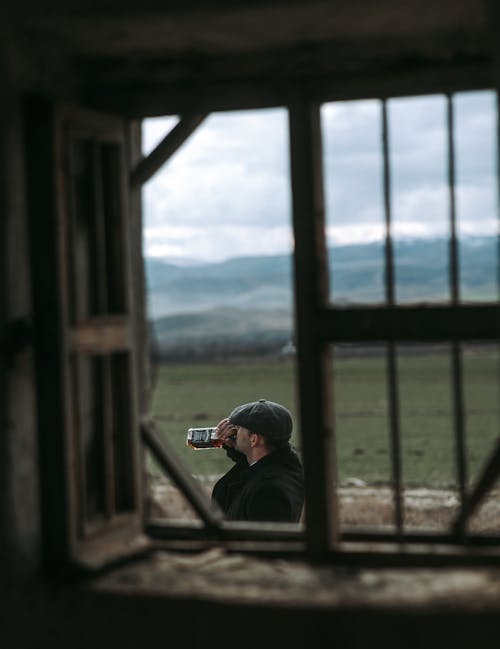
point(242, 440)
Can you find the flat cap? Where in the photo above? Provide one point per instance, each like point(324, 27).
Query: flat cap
point(267, 418)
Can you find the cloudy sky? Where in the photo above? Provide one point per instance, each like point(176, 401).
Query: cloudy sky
point(226, 192)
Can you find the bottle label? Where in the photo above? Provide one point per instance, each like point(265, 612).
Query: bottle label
point(203, 438)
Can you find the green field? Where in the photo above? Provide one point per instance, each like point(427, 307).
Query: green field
point(200, 395)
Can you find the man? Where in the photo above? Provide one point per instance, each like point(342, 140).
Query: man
point(266, 482)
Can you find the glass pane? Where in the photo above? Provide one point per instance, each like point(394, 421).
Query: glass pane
point(164, 500)
point(419, 197)
point(217, 248)
point(154, 130)
point(481, 370)
point(199, 395)
point(225, 193)
point(354, 201)
point(428, 450)
point(476, 146)
point(361, 432)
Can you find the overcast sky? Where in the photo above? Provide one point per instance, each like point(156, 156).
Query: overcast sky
point(226, 192)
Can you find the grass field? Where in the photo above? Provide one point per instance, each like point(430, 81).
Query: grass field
point(200, 395)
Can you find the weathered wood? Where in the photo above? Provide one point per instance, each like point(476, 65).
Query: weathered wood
point(487, 478)
point(138, 282)
point(101, 335)
point(311, 291)
point(416, 323)
point(147, 167)
point(167, 458)
point(229, 530)
point(301, 605)
point(264, 91)
point(49, 348)
point(78, 392)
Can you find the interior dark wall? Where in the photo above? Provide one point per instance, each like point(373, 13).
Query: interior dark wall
point(34, 613)
point(85, 620)
point(18, 452)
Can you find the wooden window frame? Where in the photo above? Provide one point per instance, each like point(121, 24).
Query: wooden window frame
point(318, 326)
point(85, 337)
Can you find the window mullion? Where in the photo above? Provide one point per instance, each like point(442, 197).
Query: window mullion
point(311, 295)
point(497, 170)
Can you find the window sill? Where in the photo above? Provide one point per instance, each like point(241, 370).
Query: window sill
point(218, 576)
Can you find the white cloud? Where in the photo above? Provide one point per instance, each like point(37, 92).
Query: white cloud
point(228, 183)
point(227, 192)
point(217, 243)
point(359, 233)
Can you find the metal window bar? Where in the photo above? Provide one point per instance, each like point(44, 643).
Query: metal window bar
point(456, 351)
point(391, 352)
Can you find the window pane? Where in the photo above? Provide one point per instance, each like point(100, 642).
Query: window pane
point(419, 197)
point(361, 433)
point(481, 365)
point(476, 146)
point(354, 200)
point(218, 253)
point(199, 395)
point(428, 449)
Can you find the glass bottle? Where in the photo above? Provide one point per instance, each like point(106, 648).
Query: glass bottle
point(203, 438)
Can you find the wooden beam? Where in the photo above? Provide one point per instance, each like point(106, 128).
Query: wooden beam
point(311, 293)
point(416, 323)
point(489, 475)
point(148, 166)
point(173, 467)
point(154, 99)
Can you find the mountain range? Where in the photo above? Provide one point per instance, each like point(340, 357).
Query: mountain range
point(247, 301)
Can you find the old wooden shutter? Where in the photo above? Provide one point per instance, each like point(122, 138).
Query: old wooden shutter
point(84, 324)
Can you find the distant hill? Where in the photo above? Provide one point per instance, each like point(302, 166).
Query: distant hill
point(247, 301)
point(242, 282)
point(221, 333)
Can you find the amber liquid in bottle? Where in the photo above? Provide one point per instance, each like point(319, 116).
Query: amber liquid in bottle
point(203, 438)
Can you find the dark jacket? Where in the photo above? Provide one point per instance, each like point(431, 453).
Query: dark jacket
point(270, 490)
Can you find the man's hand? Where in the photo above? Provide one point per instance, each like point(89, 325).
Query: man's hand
point(226, 431)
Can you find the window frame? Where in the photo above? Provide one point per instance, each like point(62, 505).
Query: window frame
point(77, 323)
point(319, 324)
